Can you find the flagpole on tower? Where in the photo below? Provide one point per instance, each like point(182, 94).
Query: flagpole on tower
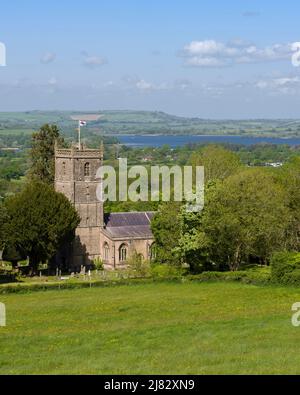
point(79, 136)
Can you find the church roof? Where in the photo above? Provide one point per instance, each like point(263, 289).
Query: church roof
point(129, 225)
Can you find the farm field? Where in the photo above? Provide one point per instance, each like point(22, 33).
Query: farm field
point(164, 328)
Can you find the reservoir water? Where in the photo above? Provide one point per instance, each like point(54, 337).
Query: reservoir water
point(180, 140)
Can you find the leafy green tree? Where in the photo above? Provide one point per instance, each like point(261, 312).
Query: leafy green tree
point(12, 255)
point(40, 222)
point(166, 230)
point(42, 153)
point(289, 176)
point(218, 162)
point(193, 244)
point(246, 216)
point(3, 225)
point(284, 262)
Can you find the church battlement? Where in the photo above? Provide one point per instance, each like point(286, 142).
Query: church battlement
point(75, 152)
point(87, 153)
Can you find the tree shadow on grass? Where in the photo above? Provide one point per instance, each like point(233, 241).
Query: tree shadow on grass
point(8, 277)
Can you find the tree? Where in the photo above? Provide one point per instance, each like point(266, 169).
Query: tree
point(40, 222)
point(3, 225)
point(12, 255)
point(193, 244)
point(218, 162)
point(42, 153)
point(284, 263)
point(166, 230)
point(246, 216)
point(289, 177)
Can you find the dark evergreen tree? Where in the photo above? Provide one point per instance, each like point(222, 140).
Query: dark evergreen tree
point(42, 153)
point(40, 222)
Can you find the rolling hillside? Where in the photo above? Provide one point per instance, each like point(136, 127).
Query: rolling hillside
point(147, 122)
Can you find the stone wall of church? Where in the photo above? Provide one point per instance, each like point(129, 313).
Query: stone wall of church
point(111, 250)
point(86, 247)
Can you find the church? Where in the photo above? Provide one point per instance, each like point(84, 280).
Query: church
point(110, 238)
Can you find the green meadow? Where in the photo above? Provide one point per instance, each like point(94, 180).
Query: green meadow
point(163, 328)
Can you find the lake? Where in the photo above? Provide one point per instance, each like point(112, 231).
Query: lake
point(180, 140)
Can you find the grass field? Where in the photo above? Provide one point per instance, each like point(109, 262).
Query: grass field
point(165, 328)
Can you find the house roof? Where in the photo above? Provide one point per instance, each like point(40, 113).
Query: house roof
point(129, 225)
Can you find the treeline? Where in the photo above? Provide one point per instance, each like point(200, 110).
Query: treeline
point(249, 215)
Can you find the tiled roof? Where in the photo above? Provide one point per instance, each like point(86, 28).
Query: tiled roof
point(127, 225)
point(128, 219)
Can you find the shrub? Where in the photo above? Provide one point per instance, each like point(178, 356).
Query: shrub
point(138, 265)
point(251, 276)
point(98, 264)
point(166, 271)
point(283, 264)
point(291, 278)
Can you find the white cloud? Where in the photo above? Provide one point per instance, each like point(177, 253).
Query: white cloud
point(209, 47)
point(108, 84)
point(280, 86)
point(261, 84)
point(211, 53)
point(131, 83)
point(286, 81)
point(48, 57)
point(94, 61)
point(199, 61)
point(143, 85)
point(52, 81)
point(182, 84)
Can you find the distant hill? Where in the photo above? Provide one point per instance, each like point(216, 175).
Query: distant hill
point(147, 122)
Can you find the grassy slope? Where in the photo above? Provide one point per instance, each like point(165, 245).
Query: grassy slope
point(155, 328)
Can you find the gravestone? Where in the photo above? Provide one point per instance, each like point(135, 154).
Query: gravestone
point(2, 314)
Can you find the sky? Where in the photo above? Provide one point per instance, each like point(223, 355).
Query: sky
point(210, 59)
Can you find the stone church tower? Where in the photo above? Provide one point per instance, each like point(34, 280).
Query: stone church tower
point(112, 237)
point(75, 177)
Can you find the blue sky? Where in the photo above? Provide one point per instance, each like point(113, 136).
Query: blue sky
point(211, 59)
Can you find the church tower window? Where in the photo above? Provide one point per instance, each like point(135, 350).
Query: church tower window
point(87, 169)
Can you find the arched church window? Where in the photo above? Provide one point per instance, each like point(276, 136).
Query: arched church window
point(87, 169)
point(64, 168)
point(123, 253)
point(152, 252)
point(106, 252)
